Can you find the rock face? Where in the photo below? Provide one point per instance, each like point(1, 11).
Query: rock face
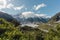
point(9, 18)
point(55, 18)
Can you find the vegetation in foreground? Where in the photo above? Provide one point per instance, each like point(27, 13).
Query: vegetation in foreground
point(9, 31)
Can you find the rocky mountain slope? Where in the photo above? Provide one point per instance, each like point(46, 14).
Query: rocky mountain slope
point(9, 18)
point(55, 18)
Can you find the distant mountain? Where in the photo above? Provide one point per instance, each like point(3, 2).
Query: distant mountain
point(31, 19)
point(9, 18)
point(55, 18)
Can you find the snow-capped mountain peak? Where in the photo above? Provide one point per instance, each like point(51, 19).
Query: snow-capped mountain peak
point(26, 17)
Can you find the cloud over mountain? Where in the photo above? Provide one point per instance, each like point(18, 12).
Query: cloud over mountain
point(32, 14)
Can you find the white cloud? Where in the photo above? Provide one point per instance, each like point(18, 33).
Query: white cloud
point(10, 6)
point(18, 8)
point(39, 6)
point(14, 7)
point(32, 14)
point(10, 0)
point(41, 15)
point(28, 14)
point(3, 4)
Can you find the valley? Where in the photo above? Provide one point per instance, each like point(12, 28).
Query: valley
point(13, 29)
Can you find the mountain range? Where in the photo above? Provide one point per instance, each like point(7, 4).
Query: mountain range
point(23, 19)
point(31, 18)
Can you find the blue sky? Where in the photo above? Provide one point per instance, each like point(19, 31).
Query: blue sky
point(13, 7)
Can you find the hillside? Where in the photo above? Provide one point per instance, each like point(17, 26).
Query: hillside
point(52, 22)
point(55, 18)
point(9, 32)
point(9, 18)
